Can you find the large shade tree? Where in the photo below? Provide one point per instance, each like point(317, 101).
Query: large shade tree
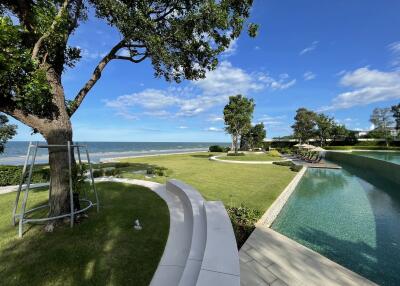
point(181, 39)
point(254, 137)
point(304, 125)
point(237, 116)
point(325, 127)
point(382, 118)
point(396, 115)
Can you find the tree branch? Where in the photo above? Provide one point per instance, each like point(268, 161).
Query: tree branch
point(31, 120)
point(39, 42)
point(95, 77)
point(131, 59)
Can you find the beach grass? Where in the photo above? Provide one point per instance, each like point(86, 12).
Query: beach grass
point(255, 186)
point(101, 250)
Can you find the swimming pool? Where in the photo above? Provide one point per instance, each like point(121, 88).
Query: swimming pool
point(349, 217)
point(393, 157)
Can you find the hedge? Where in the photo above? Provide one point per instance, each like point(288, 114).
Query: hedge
point(218, 148)
point(11, 175)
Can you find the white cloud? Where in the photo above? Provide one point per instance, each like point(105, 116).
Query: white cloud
point(257, 48)
point(231, 50)
point(214, 129)
point(90, 55)
point(272, 120)
point(199, 96)
point(369, 86)
point(183, 127)
point(283, 82)
point(395, 49)
point(310, 48)
point(215, 118)
point(227, 80)
point(309, 75)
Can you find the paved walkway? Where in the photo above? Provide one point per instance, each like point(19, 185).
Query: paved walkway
point(216, 158)
point(269, 258)
point(14, 188)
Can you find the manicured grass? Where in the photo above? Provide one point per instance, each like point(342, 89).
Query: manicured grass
point(251, 157)
point(256, 186)
point(102, 250)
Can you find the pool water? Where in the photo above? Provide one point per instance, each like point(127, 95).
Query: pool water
point(351, 219)
point(393, 157)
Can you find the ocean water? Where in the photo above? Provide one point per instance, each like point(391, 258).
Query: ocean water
point(15, 151)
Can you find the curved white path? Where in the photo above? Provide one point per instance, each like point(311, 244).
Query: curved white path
point(216, 158)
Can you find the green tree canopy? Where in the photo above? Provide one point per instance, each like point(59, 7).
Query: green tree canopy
point(237, 116)
point(382, 120)
point(396, 114)
point(254, 137)
point(181, 39)
point(304, 125)
point(7, 131)
point(325, 126)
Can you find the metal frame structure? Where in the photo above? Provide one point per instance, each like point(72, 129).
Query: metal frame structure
point(30, 158)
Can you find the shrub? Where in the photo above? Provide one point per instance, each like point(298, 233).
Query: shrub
point(243, 222)
point(97, 173)
point(293, 167)
point(216, 148)
point(11, 175)
point(236, 154)
point(159, 171)
point(227, 149)
point(122, 165)
point(296, 168)
point(111, 172)
point(283, 163)
point(274, 153)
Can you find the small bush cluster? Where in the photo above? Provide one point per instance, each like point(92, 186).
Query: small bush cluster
point(236, 154)
point(283, 163)
point(11, 175)
point(274, 153)
point(159, 171)
point(285, 150)
point(293, 166)
point(218, 148)
point(243, 222)
point(106, 172)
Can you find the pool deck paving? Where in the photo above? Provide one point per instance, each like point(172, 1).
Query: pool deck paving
point(270, 258)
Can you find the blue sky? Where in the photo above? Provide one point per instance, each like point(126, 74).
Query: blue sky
point(341, 57)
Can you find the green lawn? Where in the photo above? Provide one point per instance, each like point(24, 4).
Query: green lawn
point(256, 186)
point(101, 250)
point(251, 157)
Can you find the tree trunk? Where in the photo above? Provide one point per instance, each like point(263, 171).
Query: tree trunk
point(59, 168)
point(235, 142)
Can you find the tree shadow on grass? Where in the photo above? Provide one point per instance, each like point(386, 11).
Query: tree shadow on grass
point(102, 250)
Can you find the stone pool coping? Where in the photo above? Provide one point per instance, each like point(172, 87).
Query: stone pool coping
point(273, 211)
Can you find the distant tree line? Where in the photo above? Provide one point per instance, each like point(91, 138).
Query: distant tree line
point(312, 125)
